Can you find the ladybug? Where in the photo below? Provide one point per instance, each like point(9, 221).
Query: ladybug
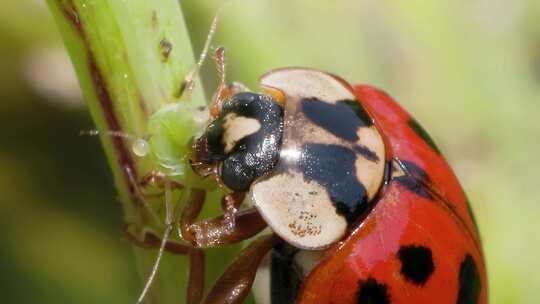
point(362, 205)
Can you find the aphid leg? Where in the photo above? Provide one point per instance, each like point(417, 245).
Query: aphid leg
point(158, 179)
point(147, 213)
point(169, 221)
point(235, 283)
point(225, 229)
point(150, 240)
point(195, 288)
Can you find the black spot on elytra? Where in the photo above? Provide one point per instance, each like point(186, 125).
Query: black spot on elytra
point(421, 132)
point(415, 179)
point(341, 119)
point(333, 167)
point(469, 281)
point(359, 110)
point(372, 292)
point(416, 171)
point(416, 263)
point(412, 185)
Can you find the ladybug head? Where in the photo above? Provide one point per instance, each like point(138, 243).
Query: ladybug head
point(243, 142)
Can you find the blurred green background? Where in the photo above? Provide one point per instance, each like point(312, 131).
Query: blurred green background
point(468, 70)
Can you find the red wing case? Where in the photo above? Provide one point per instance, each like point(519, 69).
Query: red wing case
point(419, 243)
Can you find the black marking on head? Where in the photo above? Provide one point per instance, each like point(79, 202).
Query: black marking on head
point(372, 292)
point(253, 155)
point(341, 119)
point(469, 281)
point(415, 179)
point(416, 263)
point(333, 167)
point(285, 277)
point(421, 132)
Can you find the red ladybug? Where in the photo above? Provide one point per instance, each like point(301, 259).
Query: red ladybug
point(362, 205)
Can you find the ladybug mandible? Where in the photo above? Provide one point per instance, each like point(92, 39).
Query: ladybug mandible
point(362, 206)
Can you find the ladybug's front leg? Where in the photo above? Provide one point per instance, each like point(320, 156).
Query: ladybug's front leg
point(231, 227)
point(235, 283)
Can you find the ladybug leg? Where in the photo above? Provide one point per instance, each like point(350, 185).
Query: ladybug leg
point(235, 283)
point(231, 227)
point(195, 288)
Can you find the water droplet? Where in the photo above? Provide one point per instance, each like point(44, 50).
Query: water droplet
point(140, 147)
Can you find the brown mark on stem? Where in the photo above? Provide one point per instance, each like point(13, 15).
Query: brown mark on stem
point(155, 23)
point(165, 47)
point(123, 154)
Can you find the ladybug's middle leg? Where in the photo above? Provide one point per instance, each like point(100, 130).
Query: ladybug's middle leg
point(231, 227)
point(195, 288)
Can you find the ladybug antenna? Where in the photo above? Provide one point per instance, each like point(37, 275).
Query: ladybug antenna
point(169, 221)
point(139, 145)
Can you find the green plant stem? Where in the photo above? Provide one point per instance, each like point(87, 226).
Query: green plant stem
point(130, 57)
